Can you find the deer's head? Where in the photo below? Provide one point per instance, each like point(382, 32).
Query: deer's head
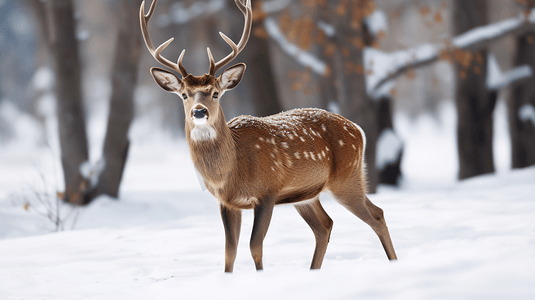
point(200, 94)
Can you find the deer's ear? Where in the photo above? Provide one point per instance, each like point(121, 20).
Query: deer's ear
point(231, 77)
point(166, 80)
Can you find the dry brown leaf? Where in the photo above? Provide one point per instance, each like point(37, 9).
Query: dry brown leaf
point(261, 33)
point(463, 74)
point(438, 18)
point(410, 74)
point(425, 10)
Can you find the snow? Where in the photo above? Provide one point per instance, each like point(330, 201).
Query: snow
point(527, 113)
point(382, 64)
point(391, 63)
point(377, 22)
point(44, 78)
point(182, 15)
point(487, 32)
point(272, 6)
point(303, 57)
point(327, 28)
point(92, 171)
point(163, 239)
point(496, 79)
point(389, 145)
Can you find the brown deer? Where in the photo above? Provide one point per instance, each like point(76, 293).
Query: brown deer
point(257, 163)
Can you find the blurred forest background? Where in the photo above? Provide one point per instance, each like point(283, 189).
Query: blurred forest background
point(77, 73)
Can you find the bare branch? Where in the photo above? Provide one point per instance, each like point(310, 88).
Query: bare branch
point(474, 40)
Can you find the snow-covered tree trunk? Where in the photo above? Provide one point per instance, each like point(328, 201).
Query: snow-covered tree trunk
point(522, 104)
point(124, 79)
point(389, 145)
point(354, 102)
point(72, 131)
point(475, 102)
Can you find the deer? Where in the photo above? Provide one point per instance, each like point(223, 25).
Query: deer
point(259, 162)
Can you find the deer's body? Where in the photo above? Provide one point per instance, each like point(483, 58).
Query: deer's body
point(298, 152)
point(257, 163)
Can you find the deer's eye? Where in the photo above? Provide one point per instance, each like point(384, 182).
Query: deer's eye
point(215, 95)
point(184, 96)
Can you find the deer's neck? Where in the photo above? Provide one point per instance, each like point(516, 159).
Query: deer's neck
point(212, 150)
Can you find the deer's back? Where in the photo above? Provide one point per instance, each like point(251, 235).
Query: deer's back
point(294, 155)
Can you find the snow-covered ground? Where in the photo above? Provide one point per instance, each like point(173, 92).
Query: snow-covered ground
point(163, 239)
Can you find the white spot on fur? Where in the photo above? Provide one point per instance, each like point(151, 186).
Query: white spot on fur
point(302, 139)
point(306, 154)
point(290, 136)
point(257, 146)
point(296, 154)
point(323, 153)
point(313, 156)
point(273, 155)
point(323, 127)
point(354, 147)
point(272, 169)
point(341, 142)
point(327, 148)
point(261, 139)
point(203, 133)
point(285, 145)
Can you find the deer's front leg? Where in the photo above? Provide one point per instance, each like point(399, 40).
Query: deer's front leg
point(232, 223)
point(262, 217)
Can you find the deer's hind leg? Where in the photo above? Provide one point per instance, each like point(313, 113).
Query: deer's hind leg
point(352, 196)
point(321, 224)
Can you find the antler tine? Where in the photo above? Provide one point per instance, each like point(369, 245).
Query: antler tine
point(156, 53)
point(240, 6)
point(236, 49)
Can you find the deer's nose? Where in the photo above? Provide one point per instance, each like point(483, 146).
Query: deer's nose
point(200, 113)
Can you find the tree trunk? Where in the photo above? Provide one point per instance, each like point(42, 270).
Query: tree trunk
point(124, 79)
point(40, 13)
point(389, 172)
point(354, 102)
point(475, 103)
point(72, 132)
point(521, 126)
point(258, 84)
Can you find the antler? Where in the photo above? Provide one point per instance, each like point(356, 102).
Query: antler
point(236, 49)
point(144, 20)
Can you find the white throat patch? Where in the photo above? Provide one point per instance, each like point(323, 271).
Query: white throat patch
point(199, 121)
point(203, 133)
